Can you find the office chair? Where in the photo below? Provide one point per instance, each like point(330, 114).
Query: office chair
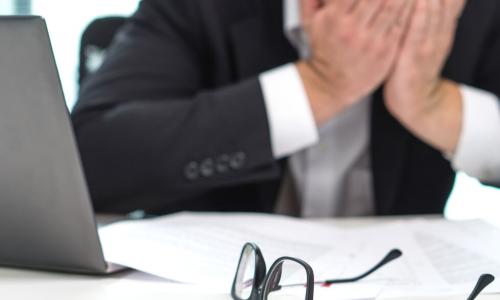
point(96, 38)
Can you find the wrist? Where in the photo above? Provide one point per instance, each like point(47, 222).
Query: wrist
point(324, 98)
point(435, 101)
point(433, 98)
point(417, 105)
point(448, 111)
point(437, 120)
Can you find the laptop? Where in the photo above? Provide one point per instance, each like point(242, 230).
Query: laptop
point(46, 217)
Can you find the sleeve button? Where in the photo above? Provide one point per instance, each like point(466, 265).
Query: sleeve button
point(191, 172)
point(207, 167)
point(222, 165)
point(238, 160)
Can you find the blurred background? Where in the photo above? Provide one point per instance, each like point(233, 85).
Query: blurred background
point(66, 21)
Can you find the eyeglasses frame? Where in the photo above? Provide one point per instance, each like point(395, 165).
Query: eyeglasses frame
point(262, 276)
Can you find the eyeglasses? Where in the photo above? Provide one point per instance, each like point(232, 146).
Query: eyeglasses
point(253, 282)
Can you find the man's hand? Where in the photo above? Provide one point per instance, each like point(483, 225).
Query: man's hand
point(354, 47)
point(415, 93)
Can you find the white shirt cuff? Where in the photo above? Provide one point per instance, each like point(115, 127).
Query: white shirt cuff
point(478, 152)
point(291, 120)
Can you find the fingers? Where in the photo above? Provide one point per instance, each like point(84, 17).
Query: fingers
point(388, 16)
point(435, 18)
point(419, 26)
point(450, 13)
point(405, 16)
point(365, 10)
point(403, 21)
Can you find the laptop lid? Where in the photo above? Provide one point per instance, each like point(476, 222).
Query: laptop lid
point(46, 218)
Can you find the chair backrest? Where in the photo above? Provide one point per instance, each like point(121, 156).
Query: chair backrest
point(96, 38)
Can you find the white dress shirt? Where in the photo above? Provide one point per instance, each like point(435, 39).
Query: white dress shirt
point(330, 166)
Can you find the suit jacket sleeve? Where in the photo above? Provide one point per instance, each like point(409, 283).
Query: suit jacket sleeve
point(151, 120)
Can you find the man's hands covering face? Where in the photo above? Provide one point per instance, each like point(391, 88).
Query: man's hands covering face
point(358, 45)
point(354, 45)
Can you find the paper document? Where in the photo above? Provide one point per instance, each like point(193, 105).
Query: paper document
point(205, 248)
point(439, 257)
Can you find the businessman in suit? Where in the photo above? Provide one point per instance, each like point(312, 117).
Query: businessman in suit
point(356, 108)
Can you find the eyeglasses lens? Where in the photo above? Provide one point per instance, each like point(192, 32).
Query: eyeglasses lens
point(245, 274)
point(287, 280)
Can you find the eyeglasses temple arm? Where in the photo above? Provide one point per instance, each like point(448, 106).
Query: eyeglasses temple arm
point(481, 284)
point(392, 255)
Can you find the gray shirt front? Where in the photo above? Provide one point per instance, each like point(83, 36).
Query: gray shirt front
point(332, 177)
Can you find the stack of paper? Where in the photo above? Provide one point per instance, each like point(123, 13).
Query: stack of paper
point(440, 257)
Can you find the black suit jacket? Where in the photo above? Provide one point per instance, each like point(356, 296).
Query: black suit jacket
point(175, 119)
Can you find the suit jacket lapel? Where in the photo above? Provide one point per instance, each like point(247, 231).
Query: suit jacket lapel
point(388, 151)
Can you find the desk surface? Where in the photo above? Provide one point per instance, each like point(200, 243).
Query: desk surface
point(23, 284)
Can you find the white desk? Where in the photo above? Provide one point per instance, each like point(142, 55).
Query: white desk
point(23, 284)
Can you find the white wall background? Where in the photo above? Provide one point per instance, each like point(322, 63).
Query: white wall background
point(67, 19)
point(5, 6)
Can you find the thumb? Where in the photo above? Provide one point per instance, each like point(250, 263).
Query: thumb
point(308, 9)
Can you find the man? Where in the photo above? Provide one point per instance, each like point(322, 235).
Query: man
point(362, 108)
